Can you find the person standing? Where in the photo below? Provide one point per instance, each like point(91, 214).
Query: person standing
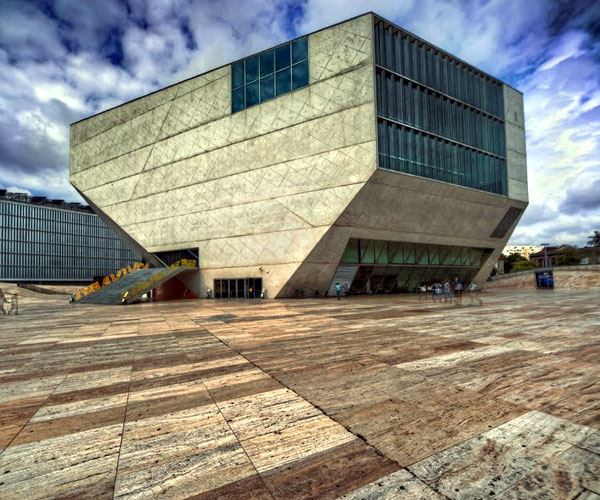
point(338, 290)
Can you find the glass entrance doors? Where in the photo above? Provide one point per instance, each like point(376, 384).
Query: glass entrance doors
point(238, 288)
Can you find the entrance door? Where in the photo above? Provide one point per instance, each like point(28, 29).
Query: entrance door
point(238, 288)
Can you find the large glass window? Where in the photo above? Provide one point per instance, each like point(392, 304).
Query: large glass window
point(273, 73)
point(393, 266)
point(437, 117)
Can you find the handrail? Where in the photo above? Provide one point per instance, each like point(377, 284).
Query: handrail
point(107, 280)
point(155, 279)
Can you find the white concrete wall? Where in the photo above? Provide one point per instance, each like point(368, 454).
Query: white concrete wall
point(516, 160)
point(254, 189)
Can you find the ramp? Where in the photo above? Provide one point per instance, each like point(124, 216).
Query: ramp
point(132, 286)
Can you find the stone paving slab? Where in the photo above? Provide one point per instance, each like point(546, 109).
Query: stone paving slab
point(368, 397)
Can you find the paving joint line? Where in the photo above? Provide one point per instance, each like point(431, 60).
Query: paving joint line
point(124, 422)
point(358, 436)
point(227, 421)
point(39, 407)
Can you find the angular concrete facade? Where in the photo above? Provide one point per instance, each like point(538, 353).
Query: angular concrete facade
point(275, 191)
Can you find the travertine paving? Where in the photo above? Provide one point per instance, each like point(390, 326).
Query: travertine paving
point(368, 397)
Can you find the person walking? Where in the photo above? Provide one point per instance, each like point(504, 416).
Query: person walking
point(458, 288)
point(448, 295)
point(338, 290)
point(473, 294)
point(437, 291)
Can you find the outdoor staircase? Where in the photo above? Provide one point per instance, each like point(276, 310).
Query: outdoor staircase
point(343, 274)
point(136, 283)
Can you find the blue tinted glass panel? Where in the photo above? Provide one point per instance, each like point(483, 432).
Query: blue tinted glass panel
point(282, 57)
point(272, 73)
point(282, 81)
point(300, 75)
point(252, 94)
point(237, 75)
point(267, 88)
point(267, 63)
point(251, 69)
point(238, 100)
point(299, 50)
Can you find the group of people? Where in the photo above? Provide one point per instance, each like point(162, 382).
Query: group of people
point(341, 289)
point(8, 303)
point(449, 292)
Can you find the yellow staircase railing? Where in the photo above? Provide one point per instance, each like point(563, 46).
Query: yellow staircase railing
point(107, 280)
point(143, 286)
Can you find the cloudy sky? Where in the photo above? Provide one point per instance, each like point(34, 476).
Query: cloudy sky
point(63, 60)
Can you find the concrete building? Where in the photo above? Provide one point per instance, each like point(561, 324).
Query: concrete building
point(522, 250)
point(359, 153)
point(51, 241)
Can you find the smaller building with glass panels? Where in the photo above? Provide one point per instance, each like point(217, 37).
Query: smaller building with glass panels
point(45, 240)
point(359, 153)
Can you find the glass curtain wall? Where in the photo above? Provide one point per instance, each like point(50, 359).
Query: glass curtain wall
point(437, 117)
point(38, 243)
point(390, 267)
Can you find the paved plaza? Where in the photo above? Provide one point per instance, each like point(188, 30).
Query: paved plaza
point(368, 397)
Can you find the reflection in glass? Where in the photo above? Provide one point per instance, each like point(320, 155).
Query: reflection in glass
point(274, 70)
point(299, 75)
point(282, 57)
point(267, 63)
point(237, 74)
point(252, 96)
point(267, 88)
point(252, 69)
point(299, 50)
point(238, 102)
point(282, 81)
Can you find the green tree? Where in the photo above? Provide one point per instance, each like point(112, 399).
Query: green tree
point(512, 260)
point(570, 257)
point(524, 265)
point(594, 239)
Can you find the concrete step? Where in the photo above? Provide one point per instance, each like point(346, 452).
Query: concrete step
point(343, 274)
point(135, 284)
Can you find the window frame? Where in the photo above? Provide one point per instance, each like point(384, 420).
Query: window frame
point(299, 77)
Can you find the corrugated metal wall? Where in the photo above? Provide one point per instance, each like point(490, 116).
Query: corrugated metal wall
point(39, 243)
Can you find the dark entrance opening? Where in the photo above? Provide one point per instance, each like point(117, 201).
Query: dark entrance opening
point(238, 288)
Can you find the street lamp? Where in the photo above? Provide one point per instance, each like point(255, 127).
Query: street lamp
point(545, 246)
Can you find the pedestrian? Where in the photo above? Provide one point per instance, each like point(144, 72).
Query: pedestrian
point(473, 294)
point(437, 293)
point(422, 291)
point(448, 292)
point(338, 290)
point(458, 288)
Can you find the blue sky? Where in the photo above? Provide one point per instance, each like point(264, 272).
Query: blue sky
point(63, 60)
